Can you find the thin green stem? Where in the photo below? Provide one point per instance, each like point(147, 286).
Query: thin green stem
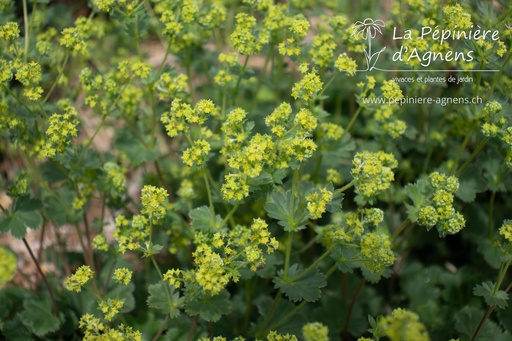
point(289, 241)
point(192, 328)
point(230, 214)
point(329, 82)
point(289, 315)
point(473, 155)
point(400, 229)
point(4, 210)
point(487, 313)
point(495, 81)
point(352, 305)
point(162, 64)
point(27, 33)
point(162, 328)
point(263, 328)
point(314, 265)
point(239, 80)
point(461, 149)
point(16, 98)
point(262, 75)
point(501, 275)
point(344, 188)
point(210, 199)
point(96, 131)
point(136, 36)
point(353, 120)
point(41, 273)
point(56, 81)
point(491, 209)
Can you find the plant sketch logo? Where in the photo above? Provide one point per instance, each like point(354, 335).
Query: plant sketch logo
point(369, 28)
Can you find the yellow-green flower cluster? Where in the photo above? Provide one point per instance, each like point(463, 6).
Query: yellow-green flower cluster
point(350, 229)
point(456, 18)
point(104, 5)
point(154, 202)
point(305, 121)
point(296, 30)
point(8, 265)
point(127, 69)
point(122, 276)
point(493, 123)
point(274, 336)
point(61, 128)
point(235, 187)
point(115, 176)
point(372, 216)
point(29, 74)
point(181, 115)
point(210, 272)
point(111, 307)
point(197, 155)
point(5, 71)
point(415, 46)
point(315, 331)
point(173, 277)
point(308, 87)
point(278, 119)
point(346, 64)
point(9, 31)
point(100, 243)
point(220, 255)
point(78, 38)
point(255, 156)
point(395, 128)
point(275, 16)
point(440, 211)
point(317, 202)
point(135, 235)
point(44, 40)
point(243, 38)
point(170, 85)
point(376, 252)
point(403, 325)
point(172, 24)
point(384, 113)
point(296, 148)
point(330, 131)
point(391, 90)
point(366, 87)
point(80, 278)
point(19, 186)
point(186, 190)
point(95, 330)
point(334, 176)
point(213, 16)
point(372, 172)
point(506, 230)
point(323, 48)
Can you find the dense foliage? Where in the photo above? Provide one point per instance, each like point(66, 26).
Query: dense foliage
point(256, 169)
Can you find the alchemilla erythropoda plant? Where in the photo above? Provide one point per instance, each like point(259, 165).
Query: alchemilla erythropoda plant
point(255, 170)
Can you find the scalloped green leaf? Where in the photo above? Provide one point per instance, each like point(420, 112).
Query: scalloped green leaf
point(167, 305)
point(202, 219)
point(210, 308)
point(305, 288)
point(278, 206)
point(19, 221)
point(486, 289)
point(38, 317)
